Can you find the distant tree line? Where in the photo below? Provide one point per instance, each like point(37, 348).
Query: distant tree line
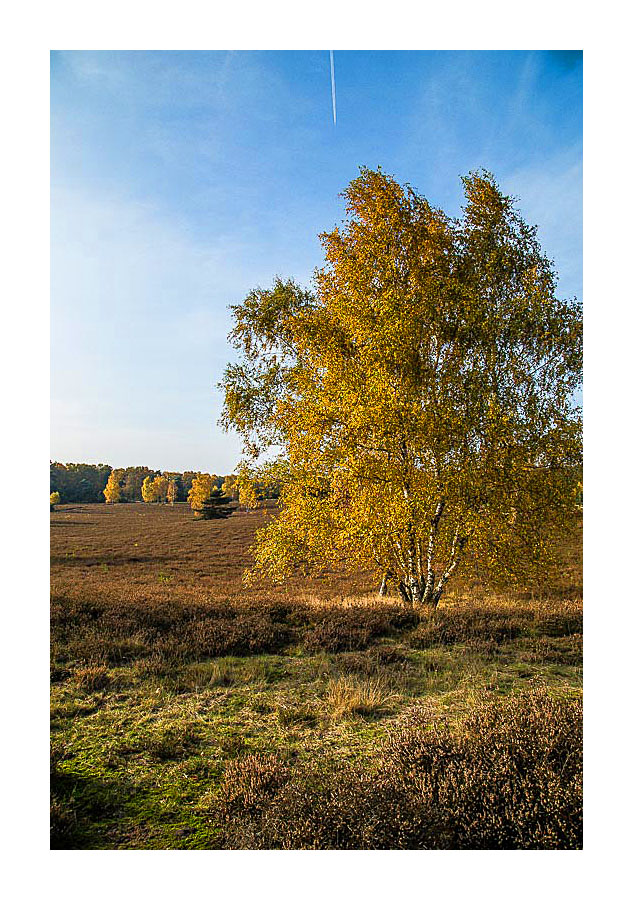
point(86, 483)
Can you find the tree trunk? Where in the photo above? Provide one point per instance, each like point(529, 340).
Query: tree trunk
point(383, 587)
point(411, 590)
point(416, 592)
point(432, 598)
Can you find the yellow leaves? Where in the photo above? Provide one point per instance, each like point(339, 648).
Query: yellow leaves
point(202, 488)
point(112, 491)
point(154, 490)
point(409, 376)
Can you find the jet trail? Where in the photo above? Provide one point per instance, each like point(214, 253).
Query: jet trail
point(333, 85)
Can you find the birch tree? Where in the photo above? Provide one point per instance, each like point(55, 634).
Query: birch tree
point(112, 491)
point(201, 490)
point(420, 397)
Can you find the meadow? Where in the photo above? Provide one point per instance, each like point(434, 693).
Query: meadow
point(189, 711)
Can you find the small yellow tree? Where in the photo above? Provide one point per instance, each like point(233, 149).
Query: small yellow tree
point(160, 486)
point(55, 499)
point(172, 491)
point(247, 489)
point(146, 490)
point(154, 490)
point(200, 492)
point(112, 490)
point(230, 488)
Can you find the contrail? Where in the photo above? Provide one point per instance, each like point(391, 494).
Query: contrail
point(333, 85)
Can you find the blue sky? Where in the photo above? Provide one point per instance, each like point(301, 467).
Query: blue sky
point(181, 180)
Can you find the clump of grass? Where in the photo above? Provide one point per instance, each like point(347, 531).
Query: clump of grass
point(92, 678)
point(211, 674)
point(295, 714)
point(155, 666)
point(349, 695)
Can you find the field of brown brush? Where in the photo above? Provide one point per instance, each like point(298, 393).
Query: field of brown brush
point(190, 711)
point(162, 548)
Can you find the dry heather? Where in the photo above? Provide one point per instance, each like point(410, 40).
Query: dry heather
point(192, 712)
point(509, 777)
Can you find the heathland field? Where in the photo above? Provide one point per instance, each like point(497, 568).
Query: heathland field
point(190, 711)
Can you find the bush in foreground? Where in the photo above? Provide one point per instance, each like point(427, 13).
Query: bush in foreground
point(508, 777)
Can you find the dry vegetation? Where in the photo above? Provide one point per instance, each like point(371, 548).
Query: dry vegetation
point(191, 712)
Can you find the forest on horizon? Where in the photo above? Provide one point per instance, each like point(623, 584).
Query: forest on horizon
point(85, 482)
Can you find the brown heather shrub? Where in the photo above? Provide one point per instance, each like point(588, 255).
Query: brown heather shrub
point(354, 628)
point(509, 777)
point(250, 782)
point(372, 662)
point(466, 626)
point(565, 650)
point(388, 656)
point(238, 636)
point(560, 623)
point(127, 629)
point(118, 628)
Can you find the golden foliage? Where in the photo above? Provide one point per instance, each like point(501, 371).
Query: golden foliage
point(112, 490)
point(201, 491)
point(154, 490)
point(422, 397)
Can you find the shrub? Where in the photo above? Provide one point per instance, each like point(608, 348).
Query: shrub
point(250, 782)
point(476, 626)
point(339, 630)
point(243, 634)
point(509, 777)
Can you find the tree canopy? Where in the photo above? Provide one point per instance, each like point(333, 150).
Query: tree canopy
point(112, 491)
point(419, 399)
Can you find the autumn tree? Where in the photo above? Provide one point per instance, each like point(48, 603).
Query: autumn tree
point(201, 488)
point(132, 482)
point(55, 499)
point(247, 493)
point(229, 487)
point(187, 483)
point(172, 491)
point(154, 490)
point(422, 395)
point(113, 489)
point(146, 489)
